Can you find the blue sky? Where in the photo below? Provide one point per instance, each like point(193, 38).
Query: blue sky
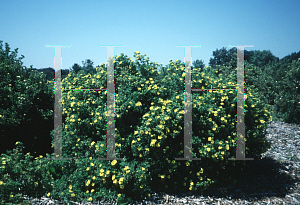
point(153, 27)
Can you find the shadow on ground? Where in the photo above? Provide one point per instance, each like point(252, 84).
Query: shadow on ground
point(261, 178)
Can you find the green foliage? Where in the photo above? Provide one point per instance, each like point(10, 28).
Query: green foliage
point(260, 58)
point(199, 64)
point(149, 119)
point(22, 167)
point(86, 68)
point(76, 68)
point(50, 72)
point(222, 57)
point(291, 57)
point(26, 111)
point(288, 98)
point(277, 80)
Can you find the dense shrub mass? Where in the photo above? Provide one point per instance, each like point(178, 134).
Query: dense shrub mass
point(149, 119)
point(26, 106)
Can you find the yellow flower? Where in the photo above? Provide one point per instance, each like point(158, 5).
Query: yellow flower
point(153, 142)
point(181, 112)
point(208, 149)
point(87, 169)
point(121, 180)
point(90, 199)
point(114, 162)
point(92, 164)
point(70, 187)
point(48, 194)
point(209, 139)
point(88, 183)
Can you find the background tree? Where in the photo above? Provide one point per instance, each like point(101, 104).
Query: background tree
point(228, 58)
point(88, 66)
point(221, 57)
point(289, 58)
point(260, 58)
point(199, 64)
point(76, 68)
point(50, 72)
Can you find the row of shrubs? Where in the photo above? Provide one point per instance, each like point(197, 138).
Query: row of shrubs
point(149, 134)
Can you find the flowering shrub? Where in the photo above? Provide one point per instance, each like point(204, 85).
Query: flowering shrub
point(149, 119)
point(25, 106)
